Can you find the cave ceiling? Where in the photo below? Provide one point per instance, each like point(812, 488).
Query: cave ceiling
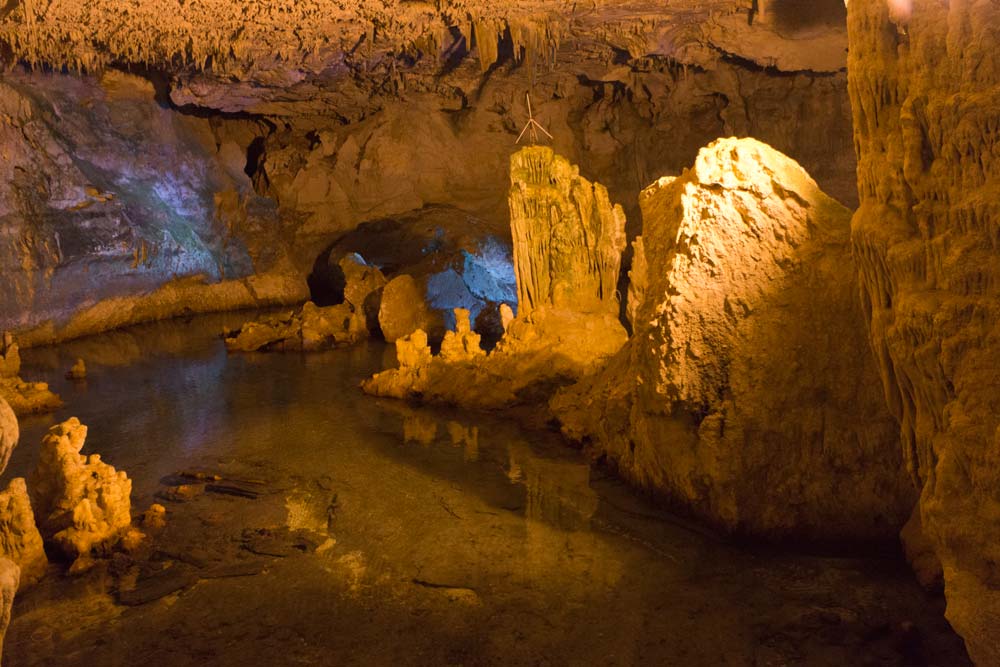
point(348, 58)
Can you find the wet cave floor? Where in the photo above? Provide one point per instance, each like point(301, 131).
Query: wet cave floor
point(319, 526)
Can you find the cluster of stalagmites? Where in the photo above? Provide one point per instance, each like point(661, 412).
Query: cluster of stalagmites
point(568, 240)
point(77, 504)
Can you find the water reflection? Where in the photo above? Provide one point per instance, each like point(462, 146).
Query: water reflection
point(510, 536)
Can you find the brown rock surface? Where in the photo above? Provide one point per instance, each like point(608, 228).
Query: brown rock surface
point(309, 329)
point(20, 540)
point(925, 88)
point(267, 130)
point(81, 503)
point(747, 392)
point(404, 309)
point(9, 581)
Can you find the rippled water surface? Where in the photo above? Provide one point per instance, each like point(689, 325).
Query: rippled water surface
point(427, 536)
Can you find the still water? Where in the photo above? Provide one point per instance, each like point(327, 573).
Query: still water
point(436, 537)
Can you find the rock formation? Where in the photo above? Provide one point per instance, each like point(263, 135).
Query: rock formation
point(20, 540)
point(263, 132)
point(10, 576)
point(925, 88)
point(404, 309)
point(747, 392)
point(81, 503)
point(10, 433)
point(568, 237)
point(22, 397)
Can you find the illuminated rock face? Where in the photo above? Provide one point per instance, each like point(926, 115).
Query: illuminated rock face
point(568, 237)
point(748, 392)
point(81, 503)
point(925, 87)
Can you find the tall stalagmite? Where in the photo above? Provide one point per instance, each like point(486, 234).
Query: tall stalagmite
point(568, 236)
point(747, 391)
point(925, 87)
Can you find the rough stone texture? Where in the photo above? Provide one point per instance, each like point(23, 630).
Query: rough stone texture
point(747, 391)
point(115, 210)
point(456, 260)
point(9, 581)
point(363, 285)
point(24, 398)
point(404, 309)
point(462, 344)
point(81, 503)
point(268, 129)
point(10, 433)
point(925, 87)
point(568, 237)
point(309, 329)
point(20, 540)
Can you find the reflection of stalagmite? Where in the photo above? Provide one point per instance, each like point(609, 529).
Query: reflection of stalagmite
point(419, 428)
point(467, 436)
point(558, 492)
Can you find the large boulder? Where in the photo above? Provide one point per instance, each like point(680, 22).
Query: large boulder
point(925, 90)
point(81, 503)
point(748, 392)
point(403, 310)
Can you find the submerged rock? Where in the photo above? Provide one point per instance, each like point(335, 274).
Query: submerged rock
point(747, 391)
point(78, 371)
point(81, 503)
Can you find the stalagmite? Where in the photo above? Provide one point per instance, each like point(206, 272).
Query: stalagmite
point(81, 503)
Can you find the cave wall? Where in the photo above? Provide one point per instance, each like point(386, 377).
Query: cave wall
point(271, 130)
point(925, 88)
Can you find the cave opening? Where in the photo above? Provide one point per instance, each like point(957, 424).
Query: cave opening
point(310, 355)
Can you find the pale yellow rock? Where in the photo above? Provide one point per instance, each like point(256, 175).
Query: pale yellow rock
point(747, 392)
point(81, 504)
point(568, 236)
